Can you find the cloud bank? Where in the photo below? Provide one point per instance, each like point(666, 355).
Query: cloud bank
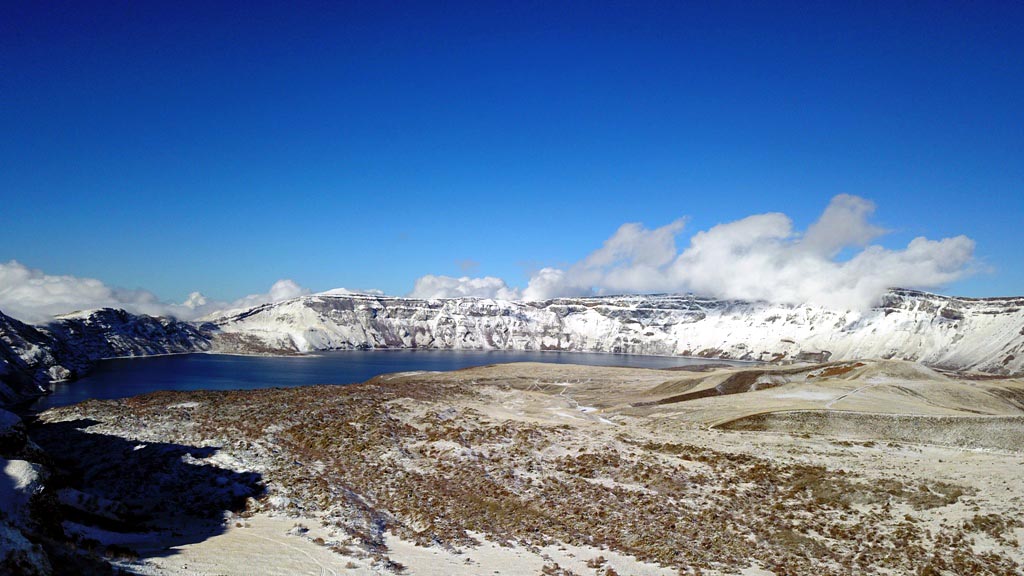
point(431, 286)
point(759, 257)
point(33, 296)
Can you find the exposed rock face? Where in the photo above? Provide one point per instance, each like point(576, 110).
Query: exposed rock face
point(32, 356)
point(12, 433)
point(21, 495)
point(110, 333)
point(986, 335)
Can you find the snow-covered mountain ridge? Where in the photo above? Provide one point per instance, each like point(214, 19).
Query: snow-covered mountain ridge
point(33, 356)
point(985, 335)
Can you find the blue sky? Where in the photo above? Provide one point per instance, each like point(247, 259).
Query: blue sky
point(196, 146)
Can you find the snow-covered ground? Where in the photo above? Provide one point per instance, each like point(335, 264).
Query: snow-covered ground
point(561, 469)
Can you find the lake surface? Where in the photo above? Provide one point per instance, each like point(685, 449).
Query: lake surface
point(120, 378)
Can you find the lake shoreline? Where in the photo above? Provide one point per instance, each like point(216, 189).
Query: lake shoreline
point(131, 375)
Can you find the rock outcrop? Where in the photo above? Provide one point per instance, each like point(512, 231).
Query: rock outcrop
point(33, 356)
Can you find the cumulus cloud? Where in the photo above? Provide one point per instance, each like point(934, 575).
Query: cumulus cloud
point(762, 257)
point(632, 260)
point(843, 224)
point(284, 289)
point(31, 295)
point(431, 286)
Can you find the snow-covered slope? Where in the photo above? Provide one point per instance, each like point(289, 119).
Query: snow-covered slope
point(29, 358)
point(961, 333)
point(32, 356)
point(111, 333)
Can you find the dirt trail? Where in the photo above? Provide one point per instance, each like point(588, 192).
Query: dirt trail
point(856, 391)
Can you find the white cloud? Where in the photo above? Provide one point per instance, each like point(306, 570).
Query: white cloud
point(761, 257)
point(284, 289)
point(844, 223)
point(431, 286)
point(31, 295)
point(631, 260)
point(195, 300)
point(347, 292)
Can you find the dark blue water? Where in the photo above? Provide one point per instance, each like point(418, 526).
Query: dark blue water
point(127, 377)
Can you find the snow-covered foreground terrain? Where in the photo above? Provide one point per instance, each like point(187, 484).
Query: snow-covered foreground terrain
point(559, 469)
point(956, 333)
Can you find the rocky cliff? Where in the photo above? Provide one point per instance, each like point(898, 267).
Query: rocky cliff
point(33, 356)
point(985, 335)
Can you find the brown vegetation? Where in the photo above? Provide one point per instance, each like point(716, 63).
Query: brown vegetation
point(397, 456)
